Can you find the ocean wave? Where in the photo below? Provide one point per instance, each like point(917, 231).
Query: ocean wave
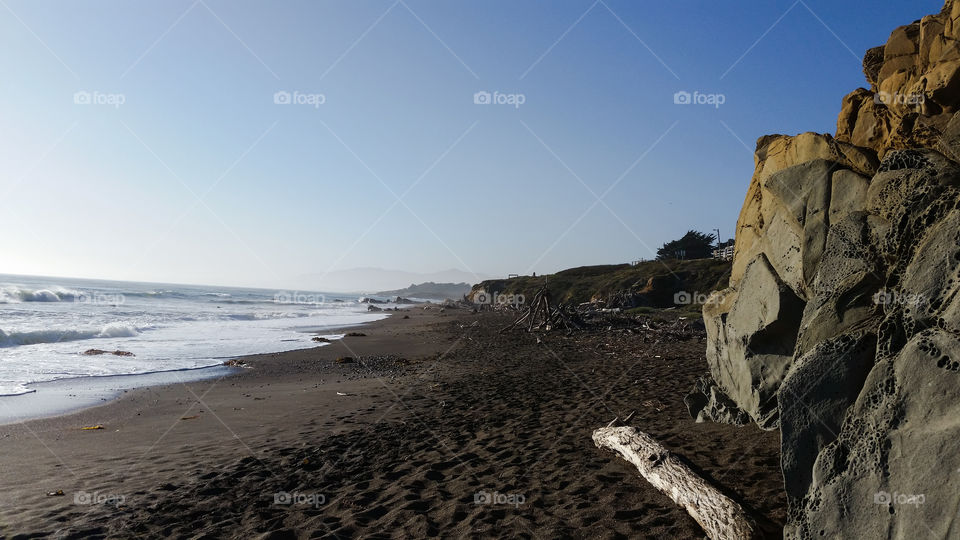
point(115, 330)
point(12, 294)
point(155, 294)
point(265, 316)
point(56, 335)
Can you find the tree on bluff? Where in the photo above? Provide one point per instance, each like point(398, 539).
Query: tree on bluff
point(693, 245)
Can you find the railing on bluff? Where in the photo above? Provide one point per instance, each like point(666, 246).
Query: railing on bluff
point(724, 253)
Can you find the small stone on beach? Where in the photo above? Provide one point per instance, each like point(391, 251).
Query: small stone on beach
point(97, 352)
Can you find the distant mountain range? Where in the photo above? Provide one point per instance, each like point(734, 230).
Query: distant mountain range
point(430, 291)
point(368, 280)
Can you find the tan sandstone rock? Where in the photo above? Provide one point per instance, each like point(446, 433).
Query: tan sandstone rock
point(776, 153)
point(914, 89)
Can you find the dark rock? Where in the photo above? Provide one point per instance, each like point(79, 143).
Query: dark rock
point(98, 352)
point(708, 403)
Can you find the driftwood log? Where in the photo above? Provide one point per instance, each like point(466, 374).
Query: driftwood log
point(719, 516)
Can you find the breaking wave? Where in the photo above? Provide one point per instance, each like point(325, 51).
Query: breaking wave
point(57, 335)
point(16, 295)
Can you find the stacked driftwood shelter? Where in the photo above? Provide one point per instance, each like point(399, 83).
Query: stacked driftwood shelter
point(541, 314)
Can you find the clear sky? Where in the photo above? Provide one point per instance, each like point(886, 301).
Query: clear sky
point(183, 168)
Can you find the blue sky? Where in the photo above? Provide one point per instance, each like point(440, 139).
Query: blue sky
point(198, 176)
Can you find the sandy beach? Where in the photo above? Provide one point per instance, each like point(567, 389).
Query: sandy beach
point(439, 426)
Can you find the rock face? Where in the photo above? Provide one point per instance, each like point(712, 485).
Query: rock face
point(841, 325)
point(914, 89)
point(752, 348)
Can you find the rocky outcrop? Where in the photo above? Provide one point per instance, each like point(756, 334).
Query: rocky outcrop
point(914, 89)
point(841, 324)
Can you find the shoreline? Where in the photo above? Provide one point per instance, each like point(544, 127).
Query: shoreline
point(68, 395)
point(73, 394)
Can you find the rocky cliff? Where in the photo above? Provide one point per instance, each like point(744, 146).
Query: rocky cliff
point(841, 324)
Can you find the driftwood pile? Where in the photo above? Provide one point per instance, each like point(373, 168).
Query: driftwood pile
point(541, 315)
point(681, 329)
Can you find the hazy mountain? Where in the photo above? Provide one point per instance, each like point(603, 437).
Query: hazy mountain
point(430, 291)
point(369, 280)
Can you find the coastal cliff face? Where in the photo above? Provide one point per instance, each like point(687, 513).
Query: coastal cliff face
point(841, 324)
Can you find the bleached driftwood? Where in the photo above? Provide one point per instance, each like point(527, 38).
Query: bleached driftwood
point(719, 516)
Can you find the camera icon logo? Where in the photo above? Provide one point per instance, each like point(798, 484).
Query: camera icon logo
point(682, 98)
point(482, 497)
point(482, 98)
point(682, 298)
point(282, 497)
point(82, 98)
point(281, 98)
point(883, 298)
point(82, 497)
point(482, 297)
point(882, 497)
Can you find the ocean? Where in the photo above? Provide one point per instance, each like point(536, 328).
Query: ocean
point(46, 324)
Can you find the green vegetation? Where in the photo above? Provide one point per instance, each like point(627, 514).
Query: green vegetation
point(651, 283)
point(693, 245)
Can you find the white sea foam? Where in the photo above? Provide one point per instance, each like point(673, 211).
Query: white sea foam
point(115, 330)
point(45, 324)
